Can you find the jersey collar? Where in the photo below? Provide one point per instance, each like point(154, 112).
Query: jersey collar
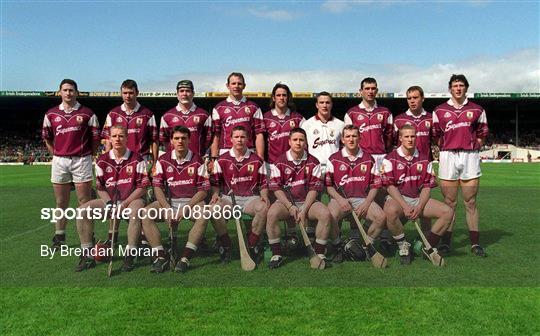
point(191, 109)
point(75, 108)
point(367, 108)
point(275, 114)
point(290, 158)
point(409, 113)
point(246, 155)
point(319, 119)
point(236, 102)
point(451, 103)
point(188, 157)
point(346, 154)
point(125, 157)
point(400, 152)
point(136, 109)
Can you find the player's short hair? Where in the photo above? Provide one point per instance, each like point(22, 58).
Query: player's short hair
point(406, 127)
point(70, 82)
point(290, 103)
point(298, 130)
point(458, 78)
point(416, 88)
point(239, 128)
point(236, 74)
point(120, 127)
point(367, 80)
point(323, 93)
point(349, 127)
point(181, 129)
point(130, 84)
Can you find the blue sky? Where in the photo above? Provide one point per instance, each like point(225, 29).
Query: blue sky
point(312, 46)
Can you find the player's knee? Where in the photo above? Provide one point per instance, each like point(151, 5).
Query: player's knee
point(470, 204)
point(379, 219)
point(451, 202)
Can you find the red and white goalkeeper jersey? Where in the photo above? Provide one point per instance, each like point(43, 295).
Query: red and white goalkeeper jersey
point(375, 126)
point(72, 132)
point(245, 177)
point(180, 178)
point(458, 127)
point(423, 125)
point(277, 131)
point(121, 176)
point(140, 124)
point(409, 176)
point(301, 175)
point(324, 139)
point(230, 113)
point(356, 176)
point(196, 119)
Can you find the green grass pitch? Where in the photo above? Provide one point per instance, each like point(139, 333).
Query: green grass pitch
point(496, 295)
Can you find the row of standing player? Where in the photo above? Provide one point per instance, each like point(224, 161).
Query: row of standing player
point(457, 117)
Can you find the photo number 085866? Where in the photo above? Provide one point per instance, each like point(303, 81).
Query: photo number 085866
point(212, 212)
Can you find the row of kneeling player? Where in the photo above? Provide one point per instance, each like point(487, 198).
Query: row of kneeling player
point(288, 190)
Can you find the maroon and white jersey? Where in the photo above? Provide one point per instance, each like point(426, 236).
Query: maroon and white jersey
point(409, 176)
point(72, 132)
point(245, 177)
point(356, 176)
point(196, 119)
point(375, 126)
point(122, 176)
point(277, 131)
point(140, 124)
point(458, 127)
point(182, 178)
point(423, 125)
point(301, 175)
point(230, 113)
point(324, 139)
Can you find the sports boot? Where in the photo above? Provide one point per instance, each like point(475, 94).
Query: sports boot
point(85, 263)
point(405, 252)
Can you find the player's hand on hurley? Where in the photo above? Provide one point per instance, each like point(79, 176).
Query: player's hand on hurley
point(362, 209)
point(408, 211)
point(415, 213)
point(344, 205)
point(294, 211)
point(215, 199)
point(266, 201)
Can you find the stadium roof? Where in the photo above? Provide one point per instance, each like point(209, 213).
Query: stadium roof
point(504, 95)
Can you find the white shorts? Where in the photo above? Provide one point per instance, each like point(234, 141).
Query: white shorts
point(67, 169)
point(242, 201)
point(179, 203)
point(356, 201)
point(378, 161)
point(459, 165)
point(410, 200)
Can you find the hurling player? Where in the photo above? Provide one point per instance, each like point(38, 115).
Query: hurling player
point(408, 177)
point(299, 171)
point(121, 179)
point(461, 127)
point(180, 180)
point(353, 170)
point(71, 134)
point(242, 172)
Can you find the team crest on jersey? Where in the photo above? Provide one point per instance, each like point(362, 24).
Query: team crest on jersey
point(247, 110)
point(332, 133)
point(447, 115)
point(363, 168)
point(272, 124)
point(169, 169)
point(250, 168)
point(79, 119)
point(400, 166)
point(342, 167)
point(419, 167)
point(380, 117)
point(428, 124)
point(119, 119)
point(227, 110)
point(315, 132)
point(138, 121)
point(129, 170)
point(57, 119)
point(360, 117)
point(196, 119)
point(288, 171)
point(175, 119)
point(469, 114)
point(191, 171)
point(108, 170)
point(292, 123)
